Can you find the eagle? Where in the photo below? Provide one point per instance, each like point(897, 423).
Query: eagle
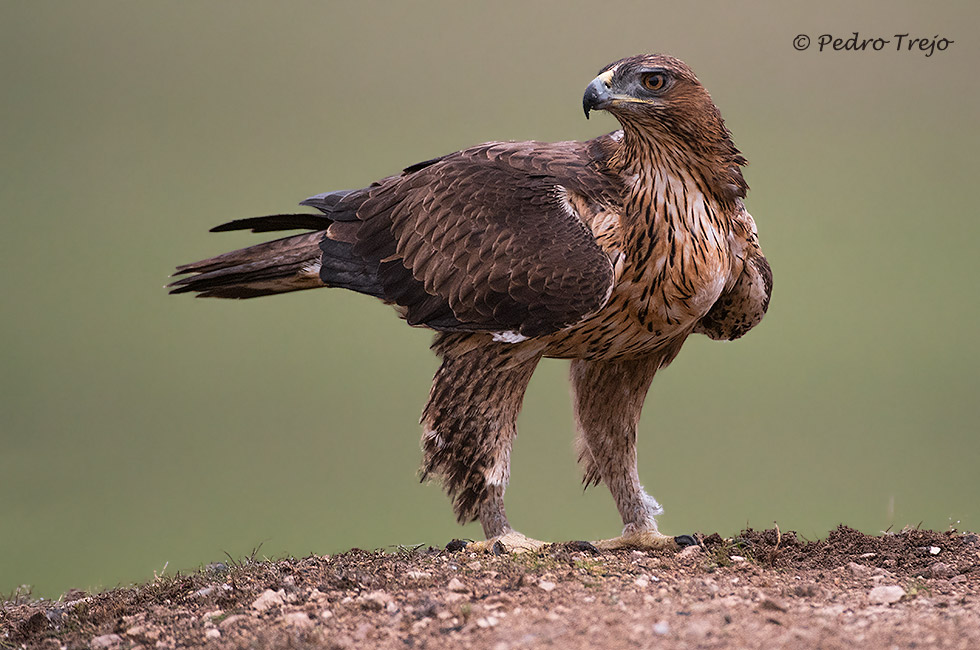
point(608, 252)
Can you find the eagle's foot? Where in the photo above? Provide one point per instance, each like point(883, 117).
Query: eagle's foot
point(645, 540)
point(511, 542)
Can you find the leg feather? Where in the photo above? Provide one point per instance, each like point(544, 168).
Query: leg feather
point(608, 397)
point(470, 422)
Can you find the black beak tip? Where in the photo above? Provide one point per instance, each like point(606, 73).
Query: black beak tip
point(596, 97)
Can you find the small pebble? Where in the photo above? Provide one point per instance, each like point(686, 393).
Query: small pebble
point(298, 619)
point(105, 641)
point(886, 595)
point(547, 585)
point(146, 631)
point(486, 621)
point(374, 600)
point(858, 569)
point(934, 550)
point(212, 633)
point(457, 585)
point(231, 620)
point(689, 552)
point(941, 570)
point(269, 599)
point(661, 628)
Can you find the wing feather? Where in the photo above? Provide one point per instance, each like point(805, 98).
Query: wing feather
point(483, 240)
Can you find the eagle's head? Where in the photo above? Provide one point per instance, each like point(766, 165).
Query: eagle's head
point(649, 89)
point(658, 98)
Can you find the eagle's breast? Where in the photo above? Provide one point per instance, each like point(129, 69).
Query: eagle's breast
point(670, 248)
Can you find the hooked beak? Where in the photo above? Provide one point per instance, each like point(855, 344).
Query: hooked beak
point(597, 95)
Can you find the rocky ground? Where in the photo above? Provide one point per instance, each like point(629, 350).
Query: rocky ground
point(913, 589)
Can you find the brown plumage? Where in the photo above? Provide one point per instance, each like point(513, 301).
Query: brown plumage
point(609, 252)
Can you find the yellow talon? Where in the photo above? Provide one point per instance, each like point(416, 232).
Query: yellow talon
point(645, 539)
point(512, 542)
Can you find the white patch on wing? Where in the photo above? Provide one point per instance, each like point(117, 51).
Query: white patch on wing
point(508, 337)
point(566, 205)
point(616, 135)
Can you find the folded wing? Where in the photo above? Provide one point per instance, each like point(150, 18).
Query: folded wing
point(485, 239)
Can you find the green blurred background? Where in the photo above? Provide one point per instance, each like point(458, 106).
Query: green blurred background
point(140, 430)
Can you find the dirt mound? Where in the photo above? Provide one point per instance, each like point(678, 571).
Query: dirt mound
point(761, 589)
point(908, 553)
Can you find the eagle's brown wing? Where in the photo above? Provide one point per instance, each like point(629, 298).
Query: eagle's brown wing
point(485, 239)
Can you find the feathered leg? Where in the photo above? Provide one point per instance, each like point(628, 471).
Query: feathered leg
point(469, 425)
point(608, 398)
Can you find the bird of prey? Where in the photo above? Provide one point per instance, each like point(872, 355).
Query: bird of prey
point(609, 252)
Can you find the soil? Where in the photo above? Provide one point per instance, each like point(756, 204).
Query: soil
point(762, 589)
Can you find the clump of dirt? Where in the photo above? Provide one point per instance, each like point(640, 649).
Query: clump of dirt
point(760, 589)
point(911, 551)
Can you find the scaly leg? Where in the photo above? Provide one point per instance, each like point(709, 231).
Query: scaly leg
point(500, 537)
point(469, 425)
point(608, 399)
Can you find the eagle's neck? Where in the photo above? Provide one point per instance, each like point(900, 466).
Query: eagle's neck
point(674, 234)
point(666, 190)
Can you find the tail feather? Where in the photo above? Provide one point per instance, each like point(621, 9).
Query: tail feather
point(306, 261)
point(276, 222)
point(279, 266)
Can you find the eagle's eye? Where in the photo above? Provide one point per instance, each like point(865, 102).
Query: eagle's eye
point(654, 81)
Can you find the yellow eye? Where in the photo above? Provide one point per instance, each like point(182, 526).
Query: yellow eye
point(654, 81)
